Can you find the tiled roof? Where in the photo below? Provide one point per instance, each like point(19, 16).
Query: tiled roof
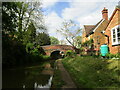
point(88, 28)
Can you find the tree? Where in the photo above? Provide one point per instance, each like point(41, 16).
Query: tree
point(63, 42)
point(19, 27)
point(30, 34)
point(54, 41)
point(42, 39)
point(9, 18)
point(17, 16)
point(70, 31)
point(78, 41)
point(29, 12)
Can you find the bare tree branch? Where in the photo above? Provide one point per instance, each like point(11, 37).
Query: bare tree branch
point(70, 31)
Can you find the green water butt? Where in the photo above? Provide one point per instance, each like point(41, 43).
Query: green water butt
point(103, 49)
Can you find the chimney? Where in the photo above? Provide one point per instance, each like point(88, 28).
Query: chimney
point(105, 13)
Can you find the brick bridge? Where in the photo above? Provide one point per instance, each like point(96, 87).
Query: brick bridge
point(51, 48)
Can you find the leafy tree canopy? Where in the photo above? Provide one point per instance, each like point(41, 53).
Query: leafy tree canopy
point(54, 41)
point(43, 39)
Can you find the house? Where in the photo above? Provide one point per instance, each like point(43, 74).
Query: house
point(86, 30)
point(112, 32)
point(94, 31)
point(105, 31)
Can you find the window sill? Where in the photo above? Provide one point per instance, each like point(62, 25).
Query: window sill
point(115, 44)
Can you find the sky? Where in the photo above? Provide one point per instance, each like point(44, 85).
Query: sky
point(80, 11)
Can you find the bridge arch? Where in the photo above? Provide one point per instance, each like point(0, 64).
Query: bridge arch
point(55, 54)
point(51, 48)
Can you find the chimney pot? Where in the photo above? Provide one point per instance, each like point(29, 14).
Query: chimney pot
point(105, 13)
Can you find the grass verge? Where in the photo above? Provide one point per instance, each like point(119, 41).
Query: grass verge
point(89, 72)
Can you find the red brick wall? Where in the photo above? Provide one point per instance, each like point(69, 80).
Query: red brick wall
point(98, 37)
point(114, 22)
point(50, 48)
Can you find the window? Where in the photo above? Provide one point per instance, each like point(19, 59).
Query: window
point(115, 32)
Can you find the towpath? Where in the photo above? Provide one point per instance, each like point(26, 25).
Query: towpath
point(65, 76)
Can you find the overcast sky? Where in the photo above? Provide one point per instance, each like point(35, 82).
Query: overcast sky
point(81, 11)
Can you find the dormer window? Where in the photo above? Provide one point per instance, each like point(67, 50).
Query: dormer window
point(115, 32)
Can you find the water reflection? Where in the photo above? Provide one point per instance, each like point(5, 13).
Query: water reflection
point(47, 86)
point(37, 86)
point(31, 77)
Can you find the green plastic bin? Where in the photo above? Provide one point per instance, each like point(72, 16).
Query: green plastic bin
point(103, 49)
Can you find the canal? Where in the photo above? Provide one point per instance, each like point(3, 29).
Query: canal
point(32, 77)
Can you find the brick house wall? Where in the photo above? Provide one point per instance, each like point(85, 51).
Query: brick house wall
point(95, 32)
point(98, 37)
point(114, 21)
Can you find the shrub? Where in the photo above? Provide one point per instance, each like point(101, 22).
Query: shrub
point(109, 55)
point(117, 55)
point(33, 49)
point(70, 53)
point(29, 47)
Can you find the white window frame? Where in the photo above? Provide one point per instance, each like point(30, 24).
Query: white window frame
point(116, 37)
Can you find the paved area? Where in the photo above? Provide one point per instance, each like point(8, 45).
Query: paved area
point(65, 76)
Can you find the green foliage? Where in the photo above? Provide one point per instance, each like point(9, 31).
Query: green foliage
point(88, 43)
point(78, 41)
point(45, 57)
point(70, 53)
point(29, 47)
point(117, 55)
point(89, 72)
point(17, 24)
point(30, 34)
point(110, 55)
point(43, 39)
point(20, 42)
point(54, 41)
point(81, 48)
point(34, 50)
point(88, 47)
point(9, 17)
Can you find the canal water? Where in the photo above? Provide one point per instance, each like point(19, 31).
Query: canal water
point(32, 77)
